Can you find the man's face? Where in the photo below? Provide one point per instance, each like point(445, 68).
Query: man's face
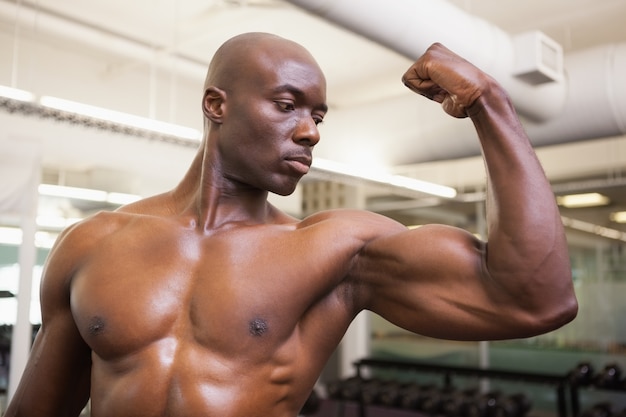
point(270, 124)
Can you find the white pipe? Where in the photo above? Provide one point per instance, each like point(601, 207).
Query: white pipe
point(135, 51)
point(596, 102)
point(410, 26)
point(589, 103)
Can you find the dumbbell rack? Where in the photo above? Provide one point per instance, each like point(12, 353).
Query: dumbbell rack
point(558, 381)
point(575, 395)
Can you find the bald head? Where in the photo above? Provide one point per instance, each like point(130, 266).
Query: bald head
point(238, 55)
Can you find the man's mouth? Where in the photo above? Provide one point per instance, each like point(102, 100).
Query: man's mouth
point(300, 164)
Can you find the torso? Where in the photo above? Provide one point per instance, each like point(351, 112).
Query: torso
point(236, 322)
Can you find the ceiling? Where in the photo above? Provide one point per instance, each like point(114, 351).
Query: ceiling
point(149, 57)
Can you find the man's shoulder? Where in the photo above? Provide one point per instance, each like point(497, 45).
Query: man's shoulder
point(348, 215)
point(74, 246)
point(157, 205)
point(366, 224)
point(92, 228)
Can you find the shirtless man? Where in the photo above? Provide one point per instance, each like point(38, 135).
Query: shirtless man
point(207, 301)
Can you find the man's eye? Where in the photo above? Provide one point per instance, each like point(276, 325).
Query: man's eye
point(285, 105)
point(318, 120)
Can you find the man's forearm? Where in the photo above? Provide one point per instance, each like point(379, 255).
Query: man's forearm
point(527, 250)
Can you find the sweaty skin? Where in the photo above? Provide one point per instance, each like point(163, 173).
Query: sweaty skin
point(208, 301)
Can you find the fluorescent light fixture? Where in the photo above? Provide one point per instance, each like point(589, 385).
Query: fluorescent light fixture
point(122, 198)
point(422, 186)
point(583, 200)
point(86, 194)
point(618, 217)
point(594, 229)
point(16, 94)
point(121, 118)
point(56, 222)
point(10, 236)
point(72, 192)
point(45, 239)
point(384, 178)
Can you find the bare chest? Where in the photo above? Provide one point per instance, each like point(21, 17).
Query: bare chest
point(242, 292)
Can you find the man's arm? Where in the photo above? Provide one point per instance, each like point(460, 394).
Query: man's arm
point(56, 380)
point(442, 281)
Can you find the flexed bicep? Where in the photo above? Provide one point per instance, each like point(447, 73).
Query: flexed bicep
point(433, 281)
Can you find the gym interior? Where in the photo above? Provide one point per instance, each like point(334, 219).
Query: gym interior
point(100, 106)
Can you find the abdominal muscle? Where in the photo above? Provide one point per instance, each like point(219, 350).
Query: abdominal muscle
point(194, 382)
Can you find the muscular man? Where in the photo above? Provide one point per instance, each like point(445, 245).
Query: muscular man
point(207, 301)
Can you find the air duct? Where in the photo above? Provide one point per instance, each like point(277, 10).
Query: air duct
point(596, 98)
point(410, 26)
point(588, 102)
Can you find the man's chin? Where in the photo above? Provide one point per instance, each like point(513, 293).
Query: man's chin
point(285, 189)
point(286, 186)
point(284, 193)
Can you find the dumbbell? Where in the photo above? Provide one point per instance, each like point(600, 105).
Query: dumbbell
point(413, 395)
point(347, 389)
point(455, 402)
point(447, 401)
point(516, 405)
point(609, 377)
point(622, 413)
point(432, 401)
point(485, 404)
point(390, 394)
point(475, 406)
point(458, 403)
point(582, 375)
point(371, 390)
point(603, 409)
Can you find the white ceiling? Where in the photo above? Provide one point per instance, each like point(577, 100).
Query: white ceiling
point(148, 57)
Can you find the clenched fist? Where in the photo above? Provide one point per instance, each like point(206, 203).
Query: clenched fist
point(444, 77)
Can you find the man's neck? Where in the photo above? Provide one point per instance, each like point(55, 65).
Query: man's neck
point(215, 201)
point(217, 207)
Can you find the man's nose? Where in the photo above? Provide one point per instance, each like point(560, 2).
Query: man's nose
point(307, 132)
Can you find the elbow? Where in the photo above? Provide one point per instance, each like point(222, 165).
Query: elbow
point(561, 307)
point(555, 316)
point(564, 314)
point(553, 302)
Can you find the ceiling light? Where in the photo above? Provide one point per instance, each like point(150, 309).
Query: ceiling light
point(10, 236)
point(87, 194)
point(618, 217)
point(594, 229)
point(583, 200)
point(55, 222)
point(121, 118)
point(16, 94)
point(121, 198)
point(45, 239)
point(421, 186)
point(72, 192)
point(384, 178)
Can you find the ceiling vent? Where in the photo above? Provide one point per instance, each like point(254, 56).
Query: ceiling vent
point(538, 59)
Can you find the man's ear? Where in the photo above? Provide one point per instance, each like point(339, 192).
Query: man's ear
point(213, 104)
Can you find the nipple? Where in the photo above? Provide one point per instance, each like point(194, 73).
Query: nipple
point(96, 326)
point(257, 327)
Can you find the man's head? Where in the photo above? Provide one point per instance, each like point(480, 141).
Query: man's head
point(264, 96)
